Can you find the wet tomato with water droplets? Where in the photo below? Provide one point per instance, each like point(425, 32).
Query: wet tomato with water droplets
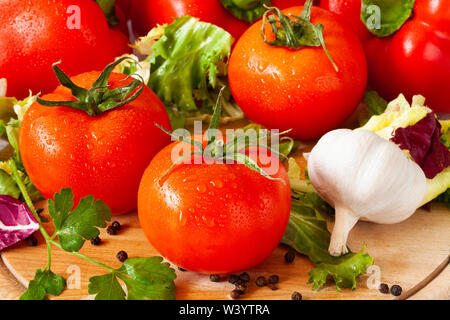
point(103, 155)
point(213, 218)
point(299, 89)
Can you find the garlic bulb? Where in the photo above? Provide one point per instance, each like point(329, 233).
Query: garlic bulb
point(364, 177)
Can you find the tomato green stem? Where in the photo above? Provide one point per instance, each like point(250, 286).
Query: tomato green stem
point(294, 32)
point(99, 98)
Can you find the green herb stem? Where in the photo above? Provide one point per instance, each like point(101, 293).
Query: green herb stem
point(49, 240)
point(82, 256)
point(30, 205)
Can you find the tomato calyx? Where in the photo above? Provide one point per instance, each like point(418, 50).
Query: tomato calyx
point(99, 98)
point(295, 33)
point(217, 149)
point(247, 10)
point(384, 18)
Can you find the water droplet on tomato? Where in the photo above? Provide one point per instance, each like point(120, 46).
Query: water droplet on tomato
point(201, 188)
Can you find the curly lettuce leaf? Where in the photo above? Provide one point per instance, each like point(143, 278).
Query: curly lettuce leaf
point(307, 233)
point(9, 130)
point(344, 270)
point(187, 64)
point(400, 116)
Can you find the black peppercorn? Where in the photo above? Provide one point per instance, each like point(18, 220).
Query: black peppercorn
point(235, 294)
point(111, 230)
point(96, 241)
point(214, 278)
point(122, 256)
point(241, 288)
point(233, 278)
point(274, 279)
point(384, 288)
point(289, 256)
point(32, 241)
point(245, 277)
point(261, 281)
point(272, 286)
point(396, 290)
point(116, 225)
point(181, 269)
point(296, 296)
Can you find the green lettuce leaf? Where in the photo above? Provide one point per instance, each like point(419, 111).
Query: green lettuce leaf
point(344, 270)
point(9, 130)
point(307, 233)
point(188, 69)
point(401, 114)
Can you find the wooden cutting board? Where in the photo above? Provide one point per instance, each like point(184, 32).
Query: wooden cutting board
point(408, 253)
point(413, 254)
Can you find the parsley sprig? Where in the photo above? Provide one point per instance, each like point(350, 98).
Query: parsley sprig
point(144, 278)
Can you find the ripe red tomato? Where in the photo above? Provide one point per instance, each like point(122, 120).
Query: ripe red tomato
point(416, 59)
point(350, 11)
point(299, 89)
point(146, 14)
point(102, 155)
point(213, 218)
point(37, 33)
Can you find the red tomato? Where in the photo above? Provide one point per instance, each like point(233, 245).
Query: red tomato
point(416, 59)
point(146, 14)
point(350, 11)
point(299, 89)
point(37, 33)
point(102, 155)
point(213, 218)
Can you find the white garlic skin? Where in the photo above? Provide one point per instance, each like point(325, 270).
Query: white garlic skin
point(364, 177)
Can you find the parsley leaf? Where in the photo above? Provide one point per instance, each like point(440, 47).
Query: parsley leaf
point(307, 233)
point(145, 278)
point(44, 282)
point(73, 228)
point(107, 287)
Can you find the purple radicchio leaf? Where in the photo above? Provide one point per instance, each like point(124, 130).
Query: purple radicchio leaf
point(423, 141)
point(16, 221)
